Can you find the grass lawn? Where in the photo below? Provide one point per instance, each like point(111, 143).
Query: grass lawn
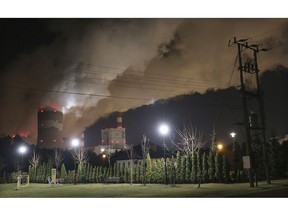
point(137, 190)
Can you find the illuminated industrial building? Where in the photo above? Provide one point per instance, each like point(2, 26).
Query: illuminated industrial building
point(112, 139)
point(50, 128)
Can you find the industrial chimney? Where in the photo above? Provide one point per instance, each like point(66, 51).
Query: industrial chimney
point(119, 120)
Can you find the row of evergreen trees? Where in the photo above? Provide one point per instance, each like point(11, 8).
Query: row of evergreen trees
point(189, 168)
point(202, 166)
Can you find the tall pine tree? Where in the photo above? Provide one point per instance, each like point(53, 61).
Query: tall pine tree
point(218, 167)
point(178, 167)
point(188, 168)
point(63, 172)
point(211, 166)
point(194, 168)
point(225, 170)
point(205, 176)
point(183, 169)
point(199, 168)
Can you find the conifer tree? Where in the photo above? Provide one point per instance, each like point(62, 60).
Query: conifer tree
point(194, 168)
point(211, 166)
point(178, 167)
point(168, 161)
point(188, 168)
point(63, 172)
point(90, 174)
point(87, 172)
point(149, 173)
point(225, 170)
point(94, 175)
point(183, 169)
point(134, 176)
point(31, 173)
point(118, 170)
point(155, 172)
point(218, 167)
point(122, 170)
point(199, 167)
point(97, 175)
point(205, 176)
point(137, 176)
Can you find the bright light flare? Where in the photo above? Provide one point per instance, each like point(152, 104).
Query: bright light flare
point(22, 149)
point(75, 142)
point(220, 147)
point(163, 129)
point(233, 134)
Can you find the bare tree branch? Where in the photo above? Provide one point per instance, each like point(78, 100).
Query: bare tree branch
point(80, 155)
point(189, 139)
point(57, 158)
point(35, 160)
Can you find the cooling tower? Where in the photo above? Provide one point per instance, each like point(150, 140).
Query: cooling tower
point(50, 128)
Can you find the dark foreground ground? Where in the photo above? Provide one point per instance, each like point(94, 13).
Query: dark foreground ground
point(278, 188)
point(283, 192)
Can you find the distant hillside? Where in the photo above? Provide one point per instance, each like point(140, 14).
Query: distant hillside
point(221, 108)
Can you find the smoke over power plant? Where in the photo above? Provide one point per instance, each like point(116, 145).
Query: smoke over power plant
point(90, 68)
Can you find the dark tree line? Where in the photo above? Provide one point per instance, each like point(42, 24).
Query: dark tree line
point(201, 166)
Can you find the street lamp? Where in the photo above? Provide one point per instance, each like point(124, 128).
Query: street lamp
point(75, 143)
point(22, 150)
point(219, 146)
point(164, 129)
point(233, 135)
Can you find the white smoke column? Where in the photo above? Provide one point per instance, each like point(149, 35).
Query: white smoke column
point(68, 63)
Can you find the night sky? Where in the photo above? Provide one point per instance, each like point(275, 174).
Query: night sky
point(90, 68)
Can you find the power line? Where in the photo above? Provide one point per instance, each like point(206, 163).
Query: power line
point(74, 93)
point(160, 76)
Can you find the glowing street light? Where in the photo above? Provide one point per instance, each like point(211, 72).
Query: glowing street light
point(219, 146)
point(164, 130)
point(233, 134)
point(22, 150)
point(75, 143)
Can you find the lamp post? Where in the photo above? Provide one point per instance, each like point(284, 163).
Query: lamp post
point(22, 150)
point(164, 129)
point(75, 143)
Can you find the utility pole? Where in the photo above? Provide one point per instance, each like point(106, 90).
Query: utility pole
point(250, 97)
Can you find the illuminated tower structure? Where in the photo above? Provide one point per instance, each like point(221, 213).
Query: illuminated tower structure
point(113, 139)
point(50, 128)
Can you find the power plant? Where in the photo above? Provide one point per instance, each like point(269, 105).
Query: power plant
point(112, 139)
point(50, 128)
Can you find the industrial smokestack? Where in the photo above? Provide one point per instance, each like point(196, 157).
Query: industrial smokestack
point(119, 120)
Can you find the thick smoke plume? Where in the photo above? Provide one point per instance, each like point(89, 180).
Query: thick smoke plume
point(98, 66)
